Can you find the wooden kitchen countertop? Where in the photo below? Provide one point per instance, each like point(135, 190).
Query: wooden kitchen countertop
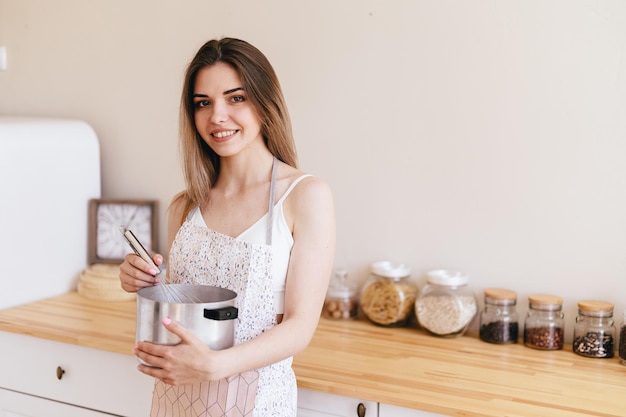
point(401, 366)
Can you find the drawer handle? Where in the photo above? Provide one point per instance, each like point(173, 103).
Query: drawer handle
point(60, 372)
point(360, 410)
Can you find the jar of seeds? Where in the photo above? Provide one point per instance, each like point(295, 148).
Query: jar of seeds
point(622, 341)
point(594, 332)
point(341, 298)
point(544, 325)
point(388, 297)
point(498, 320)
point(446, 304)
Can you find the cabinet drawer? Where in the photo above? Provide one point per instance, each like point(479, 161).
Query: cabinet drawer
point(73, 374)
point(320, 404)
point(14, 404)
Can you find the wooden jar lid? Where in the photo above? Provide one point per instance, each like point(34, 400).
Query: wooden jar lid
point(545, 299)
point(500, 294)
point(595, 305)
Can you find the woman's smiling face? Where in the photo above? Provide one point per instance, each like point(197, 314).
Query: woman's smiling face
point(224, 117)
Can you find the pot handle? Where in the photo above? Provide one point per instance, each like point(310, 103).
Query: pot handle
point(224, 313)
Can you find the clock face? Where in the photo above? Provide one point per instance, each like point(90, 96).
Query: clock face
point(110, 243)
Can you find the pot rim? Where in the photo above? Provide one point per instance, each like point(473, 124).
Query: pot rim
point(186, 294)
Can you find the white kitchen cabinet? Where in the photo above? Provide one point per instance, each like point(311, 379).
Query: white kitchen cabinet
point(53, 375)
point(15, 404)
point(386, 410)
point(319, 404)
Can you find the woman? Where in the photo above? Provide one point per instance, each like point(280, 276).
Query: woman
point(249, 221)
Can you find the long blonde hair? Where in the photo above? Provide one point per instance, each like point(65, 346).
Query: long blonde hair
point(201, 166)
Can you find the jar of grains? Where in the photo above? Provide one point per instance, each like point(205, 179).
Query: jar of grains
point(544, 325)
point(622, 341)
point(341, 298)
point(498, 320)
point(594, 332)
point(446, 305)
point(387, 298)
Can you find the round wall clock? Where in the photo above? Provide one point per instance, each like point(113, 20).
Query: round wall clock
point(106, 242)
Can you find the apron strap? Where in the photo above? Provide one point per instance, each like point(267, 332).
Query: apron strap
point(270, 211)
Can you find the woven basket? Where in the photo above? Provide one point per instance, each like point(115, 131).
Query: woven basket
point(101, 282)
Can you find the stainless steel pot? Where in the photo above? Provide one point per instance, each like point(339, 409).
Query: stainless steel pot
point(208, 312)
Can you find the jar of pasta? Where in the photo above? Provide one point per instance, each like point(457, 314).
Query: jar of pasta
point(446, 304)
point(388, 297)
point(341, 298)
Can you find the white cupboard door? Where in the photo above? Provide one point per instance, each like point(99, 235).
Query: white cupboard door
point(386, 410)
point(89, 378)
point(15, 404)
point(320, 404)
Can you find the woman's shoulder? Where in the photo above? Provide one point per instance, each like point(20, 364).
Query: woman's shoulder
point(311, 184)
point(309, 208)
point(179, 207)
point(308, 192)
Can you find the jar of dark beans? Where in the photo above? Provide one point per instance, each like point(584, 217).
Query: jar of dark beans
point(498, 320)
point(594, 333)
point(544, 325)
point(622, 341)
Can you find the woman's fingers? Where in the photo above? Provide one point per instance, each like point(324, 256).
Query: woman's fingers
point(173, 365)
point(135, 273)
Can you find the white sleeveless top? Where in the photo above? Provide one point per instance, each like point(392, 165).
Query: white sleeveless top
point(281, 244)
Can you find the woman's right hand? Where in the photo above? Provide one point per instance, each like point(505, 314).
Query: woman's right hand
point(135, 273)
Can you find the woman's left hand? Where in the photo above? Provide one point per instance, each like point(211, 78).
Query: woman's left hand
point(185, 363)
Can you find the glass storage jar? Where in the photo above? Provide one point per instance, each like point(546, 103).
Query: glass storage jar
point(544, 326)
point(498, 320)
point(341, 298)
point(622, 340)
point(446, 305)
point(388, 297)
point(594, 332)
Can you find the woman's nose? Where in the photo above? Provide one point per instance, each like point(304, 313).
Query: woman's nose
point(219, 113)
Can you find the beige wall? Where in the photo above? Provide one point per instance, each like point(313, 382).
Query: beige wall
point(486, 136)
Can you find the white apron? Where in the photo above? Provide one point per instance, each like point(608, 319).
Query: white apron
point(203, 256)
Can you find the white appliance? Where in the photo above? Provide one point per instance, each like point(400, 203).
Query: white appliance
point(49, 169)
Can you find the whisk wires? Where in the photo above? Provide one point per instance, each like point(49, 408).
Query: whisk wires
point(179, 294)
